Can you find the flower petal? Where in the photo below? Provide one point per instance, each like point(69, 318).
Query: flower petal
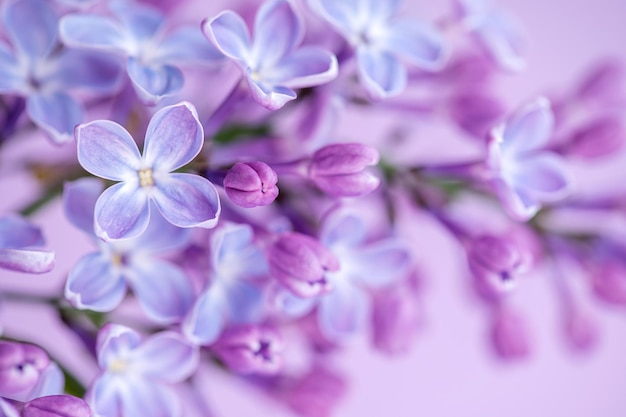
point(154, 81)
point(56, 113)
point(104, 395)
point(380, 73)
point(161, 236)
point(163, 290)
point(420, 44)
point(187, 44)
point(174, 137)
point(107, 150)
point(122, 212)
point(518, 203)
point(278, 30)
point(142, 21)
point(342, 227)
point(269, 96)
point(306, 67)
point(245, 302)
point(79, 202)
point(187, 200)
point(343, 15)
point(16, 232)
point(528, 129)
point(34, 262)
point(379, 263)
point(165, 356)
point(115, 341)
point(32, 25)
point(380, 9)
point(51, 382)
point(205, 321)
point(501, 34)
point(94, 31)
point(230, 35)
point(12, 77)
point(142, 397)
point(544, 176)
point(343, 312)
point(95, 284)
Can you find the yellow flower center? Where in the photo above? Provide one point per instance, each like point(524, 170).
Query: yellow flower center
point(145, 177)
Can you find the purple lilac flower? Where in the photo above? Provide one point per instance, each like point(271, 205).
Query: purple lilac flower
point(382, 40)
point(251, 184)
point(35, 69)
point(524, 174)
point(99, 280)
point(138, 35)
point(17, 237)
point(231, 296)
point(174, 137)
point(272, 62)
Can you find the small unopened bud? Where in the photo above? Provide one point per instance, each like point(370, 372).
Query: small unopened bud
point(603, 83)
point(599, 138)
point(580, 330)
point(318, 393)
point(21, 366)
point(56, 406)
point(609, 281)
point(339, 169)
point(251, 184)
point(394, 320)
point(250, 349)
point(476, 113)
point(509, 335)
point(300, 263)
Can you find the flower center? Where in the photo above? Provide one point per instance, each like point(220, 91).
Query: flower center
point(145, 177)
point(117, 366)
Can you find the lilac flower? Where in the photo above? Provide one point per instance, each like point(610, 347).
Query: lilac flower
point(174, 137)
point(272, 62)
point(99, 280)
point(524, 174)
point(509, 334)
point(497, 31)
point(56, 406)
point(382, 40)
point(251, 184)
point(138, 35)
point(231, 295)
point(37, 70)
point(136, 373)
point(17, 236)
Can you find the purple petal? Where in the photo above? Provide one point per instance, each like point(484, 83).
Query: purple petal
point(187, 200)
point(342, 227)
point(306, 67)
point(56, 406)
point(530, 128)
point(142, 21)
point(95, 284)
point(379, 263)
point(165, 357)
point(420, 44)
point(107, 150)
point(545, 176)
point(56, 113)
point(205, 321)
point(122, 212)
point(34, 262)
point(94, 31)
point(187, 44)
point(154, 81)
point(79, 202)
point(343, 15)
point(104, 396)
point(343, 312)
point(17, 232)
point(163, 290)
point(502, 36)
point(228, 242)
point(7, 409)
point(115, 341)
point(174, 137)
point(269, 96)
point(12, 77)
point(278, 30)
point(381, 9)
point(141, 397)
point(517, 203)
point(161, 236)
point(51, 382)
point(32, 25)
point(246, 302)
point(381, 73)
point(229, 33)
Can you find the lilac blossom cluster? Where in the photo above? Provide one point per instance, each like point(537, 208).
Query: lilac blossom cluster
point(202, 155)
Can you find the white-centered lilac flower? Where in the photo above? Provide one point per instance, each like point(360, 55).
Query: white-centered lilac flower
point(382, 41)
point(100, 279)
point(231, 296)
point(174, 137)
point(33, 67)
point(273, 62)
point(137, 374)
point(138, 34)
point(524, 174)
point(17, 237)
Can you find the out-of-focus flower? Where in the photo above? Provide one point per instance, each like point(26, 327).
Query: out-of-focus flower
point(599, 138)
point(317, 393)
point(250, 349)
point(17, 237)
point(251, 184)
point(21, 368)
point(231, 295)
point(509, 334)
point(523, 173)
point(138, 34)
point(56, 406)
point(382, 40)
point(174, 137)
point(273, 63)
point(395, 319)
point(137, 373)
point(581, 331)
point(36, 69)
point(604, 84)
point(99, 280)
point(475, 112)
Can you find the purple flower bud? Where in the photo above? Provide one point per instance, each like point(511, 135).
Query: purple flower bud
point(609, 282)
point(338, 169)
point(509, 335)
point(580, 330)
point(21, 366)
point(475, 112)
point(495, 262)
point(56, 406)
point(250, 349)
point(602, 137)
point(317, 393)
point(300, 262)
point(251, 184)
point(395, 319)
point(603, 82)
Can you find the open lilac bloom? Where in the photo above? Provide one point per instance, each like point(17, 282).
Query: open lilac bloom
point(382, 40)
point(498, 32)
point(137, 373)
point(99, 280)
point(524, 174)
point(33, 68)
point(273, 63)
point(138, 34)
point(174, 137)
point(231, 295)
point(17, 237)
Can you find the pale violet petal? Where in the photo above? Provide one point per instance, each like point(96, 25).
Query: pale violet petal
point(16, 232)
point(517, 202)
point(142, 397)
point(79, 202)
point(501, 34)
point(545, 176)
point(343, 312)
point(380, 263)
point(166, 356)
point(32, 25)
point(307, 67)
point(161, 236)
point(205, 321)
point(187, 44)
point(115, 341)
point(104, 396)
point(420, 44)
point(155, 80)
point(342, 227)
point(343, 15)
point(245, 302)
point(142, 21)
point(12, 76)
point(278, 30)
point(529, 129)
point(94, 31)
point(269, 96)
point(51, 382)
point(56, 113)
point(229, 34)
point(122, 212)
point(380, 73)
point(30, 261)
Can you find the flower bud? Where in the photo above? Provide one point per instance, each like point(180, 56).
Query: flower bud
point(250, 349)
point(300, 262)
point(599, 138)
point(609, 281)
point(394, 320)
point(56, 406)
point(317, 393)
point(339, 169)
point(21, 366)
point(251, 184)
point(509, 335)
point(602, 84)
point(475, 113)
point(581, 331)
